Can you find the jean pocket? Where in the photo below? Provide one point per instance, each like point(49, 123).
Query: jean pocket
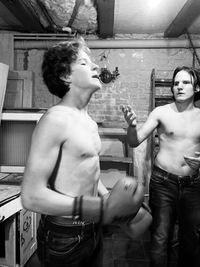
point(157, 178)
point(61, 245)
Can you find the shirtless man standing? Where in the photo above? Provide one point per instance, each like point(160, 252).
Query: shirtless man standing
point(61, 179)
point(175, 181)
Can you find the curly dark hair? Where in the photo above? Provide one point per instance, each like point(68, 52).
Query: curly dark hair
point(57, 62)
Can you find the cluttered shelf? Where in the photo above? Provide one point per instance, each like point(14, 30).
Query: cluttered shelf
point(10, 187)
point(128, 160)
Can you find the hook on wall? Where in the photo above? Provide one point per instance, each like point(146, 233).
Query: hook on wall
point(106, 76)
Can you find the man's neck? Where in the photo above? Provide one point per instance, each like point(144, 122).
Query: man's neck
point(184, 106)
point(78, 101)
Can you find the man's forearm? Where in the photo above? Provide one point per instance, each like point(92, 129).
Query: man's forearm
point(102, 190)
point(132, 137)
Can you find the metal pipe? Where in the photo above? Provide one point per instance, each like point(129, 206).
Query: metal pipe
point(45, 42)
point(142, 43)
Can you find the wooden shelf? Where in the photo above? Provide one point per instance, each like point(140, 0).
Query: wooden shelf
point(162, 100)
point(163, 82)
point(167, 97)
point(10, 208)
point(112, 131)
point(116, 159)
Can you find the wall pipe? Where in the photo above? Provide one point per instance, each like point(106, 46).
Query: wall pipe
point(31, 43)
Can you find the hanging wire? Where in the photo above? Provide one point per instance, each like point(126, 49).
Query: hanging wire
point(195, 55)
point(103, 55)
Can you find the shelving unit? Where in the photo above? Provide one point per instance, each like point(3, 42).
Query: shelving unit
point(127, 160)
point(17, 225)
point(116, 158)
point(160, 90)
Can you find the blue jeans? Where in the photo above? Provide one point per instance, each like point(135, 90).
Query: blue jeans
point(174, 198)
point(69, 245)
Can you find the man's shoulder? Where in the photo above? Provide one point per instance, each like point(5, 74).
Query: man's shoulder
point(162, 108)
point(58, 112)
point(58, 108)
point(197, 111)
point(51, 117)
point(54, 120)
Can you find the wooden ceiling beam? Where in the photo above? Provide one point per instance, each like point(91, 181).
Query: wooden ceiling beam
point(8, 21)
point(105, 14)
point(189, 12)
point(23, 14)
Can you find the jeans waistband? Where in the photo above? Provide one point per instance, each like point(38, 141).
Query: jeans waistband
point(178, 178)
point(66, 226)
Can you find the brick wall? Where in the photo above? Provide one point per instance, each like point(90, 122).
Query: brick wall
point(131, 87)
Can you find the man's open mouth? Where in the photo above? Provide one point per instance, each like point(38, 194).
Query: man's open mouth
point(95, 76)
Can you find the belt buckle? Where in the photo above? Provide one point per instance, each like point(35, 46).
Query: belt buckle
point(179, 178)
point(185, 180)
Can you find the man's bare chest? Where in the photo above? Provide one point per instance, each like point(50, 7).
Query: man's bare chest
point(83, 141)
point(180, 126)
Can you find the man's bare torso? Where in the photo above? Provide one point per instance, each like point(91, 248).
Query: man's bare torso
point(179, 136)
point(78, 167)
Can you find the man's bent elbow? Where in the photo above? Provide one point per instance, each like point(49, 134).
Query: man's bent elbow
point(132, 143)
point(27, 201)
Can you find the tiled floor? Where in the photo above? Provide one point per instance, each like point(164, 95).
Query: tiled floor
point(119, 250)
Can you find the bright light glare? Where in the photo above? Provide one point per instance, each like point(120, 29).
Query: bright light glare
point(152, 4)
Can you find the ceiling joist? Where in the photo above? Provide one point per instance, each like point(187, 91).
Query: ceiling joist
point(105, 11)
point(24, 15)
point(184, 19)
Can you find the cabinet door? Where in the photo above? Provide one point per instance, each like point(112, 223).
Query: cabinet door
point(19, 90)
point(3, 77)
point(9, 231)
point(27, 236)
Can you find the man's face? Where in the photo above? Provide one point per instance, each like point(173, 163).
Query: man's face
point(183, 88)
point(84, 73)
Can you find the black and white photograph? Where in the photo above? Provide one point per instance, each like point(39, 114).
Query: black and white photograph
point(99, 133)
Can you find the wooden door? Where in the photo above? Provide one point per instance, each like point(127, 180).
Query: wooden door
point(19, 91)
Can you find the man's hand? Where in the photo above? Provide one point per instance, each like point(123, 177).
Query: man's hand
point(193, 162)
point(129, 115)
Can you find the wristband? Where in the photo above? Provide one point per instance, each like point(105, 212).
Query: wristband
point(88, 208)
point(80, 207)
point(131, 125)
point(76, 209)
point(101, 211)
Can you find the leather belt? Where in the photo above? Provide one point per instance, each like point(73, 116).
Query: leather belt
point(188, 179)
point(66, 225)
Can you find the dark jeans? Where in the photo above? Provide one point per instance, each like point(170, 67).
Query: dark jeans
point(71, 245)
point(174, 198)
